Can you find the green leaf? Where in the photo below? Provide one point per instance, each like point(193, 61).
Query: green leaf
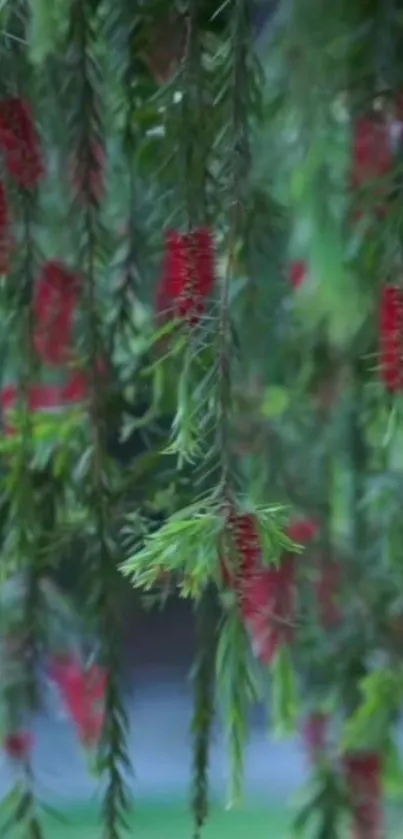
point(284, 694)
point(48, 25)
point(275, 403)
point(393, 771)
point(382, 696)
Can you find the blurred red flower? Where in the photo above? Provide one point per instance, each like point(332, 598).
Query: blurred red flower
point(18, 745)
point(19, 141)
point(188, 274)
point(55, 303)
point(83, 692)
point(372, 157)
point(363, 774)
point(6, 238)
point(391, 338)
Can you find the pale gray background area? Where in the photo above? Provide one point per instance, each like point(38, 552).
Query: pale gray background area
point(159, 649)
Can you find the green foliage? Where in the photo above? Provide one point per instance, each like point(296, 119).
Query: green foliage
point(265, 406)
point(238, 689)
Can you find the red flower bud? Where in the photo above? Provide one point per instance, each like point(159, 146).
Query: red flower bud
point(18, 745)
point(298, 274)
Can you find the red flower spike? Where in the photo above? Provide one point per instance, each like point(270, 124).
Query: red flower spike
point(18, 746)
point(267, 595)
point(189, 274)
point(372, 155)
point(76, 390)
point(298, 274)
point(268, 607)
point(88, 176)
point(363, 774)
point(20, 143)
point(55, 304)
point(302, 532)
point(83, 693)
point(315, 735)
point(391, 338)
point(6, 240)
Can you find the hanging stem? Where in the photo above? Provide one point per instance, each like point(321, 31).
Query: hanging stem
point(114, 759)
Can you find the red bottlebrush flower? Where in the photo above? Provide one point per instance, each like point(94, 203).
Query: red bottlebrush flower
point(328, 587)
point(20, 143)
point(303, 531)
point(55, 304)
point(363, 774)
point(268, 607)
point(83, 693)
point(76, 390)
point(298, 274)
point(189, 274)
point(18, 745)
point(267, 595)
point(175, 275)
point(372, 155)
point(8, 399)
point(88, 174)
point(391, 338)
point(45, 398)
point(6, 240)
point(315, 735)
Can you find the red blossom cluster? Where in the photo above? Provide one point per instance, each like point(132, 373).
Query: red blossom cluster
point(391, 338)
point(55, 303)
point(189, 274)
point(363, 773)
point(45, 397)
point(23, 160)
point(267, 595)
point(6, 237)
point(20, 144)
point(83, 693)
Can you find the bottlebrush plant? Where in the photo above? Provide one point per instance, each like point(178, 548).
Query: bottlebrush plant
point(215, 168)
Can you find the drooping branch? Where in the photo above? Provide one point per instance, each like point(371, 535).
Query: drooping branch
point(89, 160)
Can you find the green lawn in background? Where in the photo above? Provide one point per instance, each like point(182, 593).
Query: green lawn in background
point(157, 822)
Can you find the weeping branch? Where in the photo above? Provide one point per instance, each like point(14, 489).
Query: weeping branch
point(89, 151)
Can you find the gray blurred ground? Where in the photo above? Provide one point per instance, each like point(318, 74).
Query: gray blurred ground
point(159, 702)
point(160, 750)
